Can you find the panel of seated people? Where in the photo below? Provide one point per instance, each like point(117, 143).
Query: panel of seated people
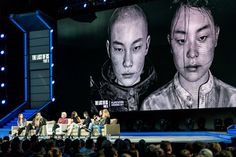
point(113, 129)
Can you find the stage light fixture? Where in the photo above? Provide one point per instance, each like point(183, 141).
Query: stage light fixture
point(52, 65)
point(2, 85)
point(2, 36)
point(52, 48)
point(104, 0)
point(53, 82)
point(53, 99)
point(85, 5)
point(2, 52)
point(51, 30)
point(66, 8)
point(3, 101)
point(2, 68)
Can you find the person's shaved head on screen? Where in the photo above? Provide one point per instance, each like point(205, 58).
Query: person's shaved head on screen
point(127, 76)
point(128, 44)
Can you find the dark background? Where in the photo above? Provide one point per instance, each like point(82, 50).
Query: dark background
point(80, 51)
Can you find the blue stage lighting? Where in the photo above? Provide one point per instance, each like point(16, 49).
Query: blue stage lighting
point(53, 82)
point(104, 0)
point(52, 48)
point(2, 35)
point(85, 5)
point(53, 99)
point(51, 30)
point(66, 7)
point(2, 68)
point(2, 85)
point(2, 52)
point(52, 65)
point(3, 101)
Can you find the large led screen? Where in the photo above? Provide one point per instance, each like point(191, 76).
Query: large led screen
point(147, 57)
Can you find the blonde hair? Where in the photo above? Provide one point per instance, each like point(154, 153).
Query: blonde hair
point(64, 113)
point(105, 113)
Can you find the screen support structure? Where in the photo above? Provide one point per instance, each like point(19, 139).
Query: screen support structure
point(38, 57)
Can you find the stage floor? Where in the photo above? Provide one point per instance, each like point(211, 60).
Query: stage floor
point(157, 137)
point(177, 137)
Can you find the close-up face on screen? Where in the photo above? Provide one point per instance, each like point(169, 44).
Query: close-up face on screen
point(148, 57)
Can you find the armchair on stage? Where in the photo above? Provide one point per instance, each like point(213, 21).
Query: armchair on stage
point(109, 129)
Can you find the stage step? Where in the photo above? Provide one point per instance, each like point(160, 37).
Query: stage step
point(4, 132)
point(27, 113)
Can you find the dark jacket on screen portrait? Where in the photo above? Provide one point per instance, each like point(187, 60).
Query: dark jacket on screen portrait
point(123, 98)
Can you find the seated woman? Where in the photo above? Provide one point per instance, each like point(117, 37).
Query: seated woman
point(37, 124)
point(85, 124)
point(73, 124)
point(21, 123)
point(62, 120)
point(97, 118)
point(99, 124)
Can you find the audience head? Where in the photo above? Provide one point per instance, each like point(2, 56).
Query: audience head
point(89, 144)
point(215, 148)
point(125, 155)
point(166, 146)
point(155, 151)
point(5, 147)
point(15, 144)
point(224, 153)
point(54, 152)
point(206, 152)
point(197, 146)
point(185, 153)
point(6, 138)
point(110, 152)
point(26, 145)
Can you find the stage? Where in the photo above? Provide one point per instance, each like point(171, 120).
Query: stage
point(177, 137)
point(157, 137)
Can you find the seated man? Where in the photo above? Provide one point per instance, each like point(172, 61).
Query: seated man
point(36, 124)
point(62, 120)
point(85, 123)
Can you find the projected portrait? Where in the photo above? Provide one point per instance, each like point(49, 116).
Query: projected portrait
point(127, 76)
point(193, 38)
